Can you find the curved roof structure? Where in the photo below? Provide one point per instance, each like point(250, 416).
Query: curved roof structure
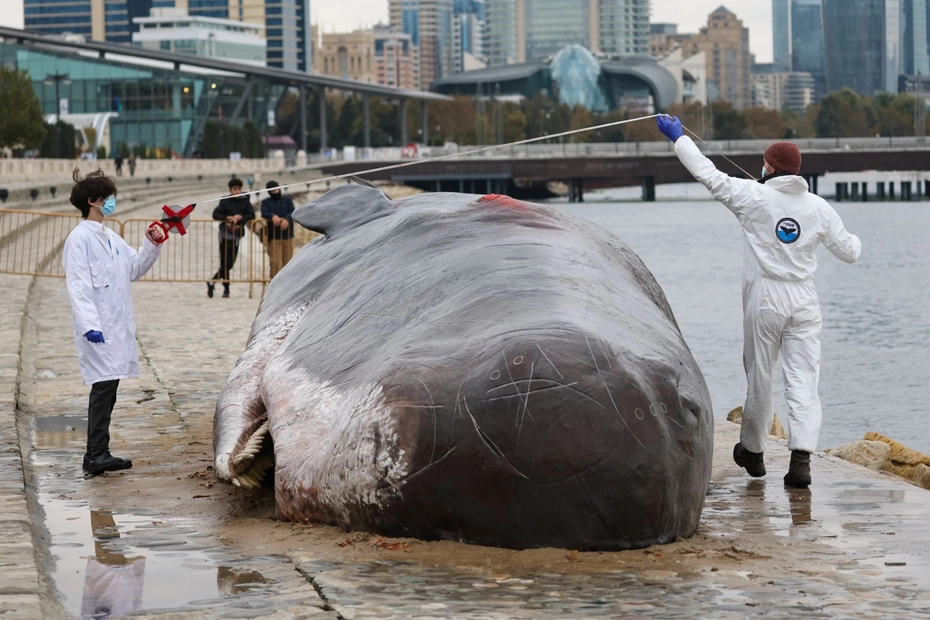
point(268, 74)
point(635, 76)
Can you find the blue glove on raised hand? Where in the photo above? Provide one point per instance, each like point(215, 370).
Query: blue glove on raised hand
point(94, 336)
point(670, 126)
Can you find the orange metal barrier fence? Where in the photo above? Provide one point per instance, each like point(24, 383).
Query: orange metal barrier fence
point(31, 244)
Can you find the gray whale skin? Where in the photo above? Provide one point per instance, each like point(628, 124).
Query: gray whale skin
point(479, 369)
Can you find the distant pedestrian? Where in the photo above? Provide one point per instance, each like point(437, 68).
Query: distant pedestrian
point(132, 164)
point(783, 225)
point(118, 162)
point(278, 209)
point(234, 213)
point(99, 266)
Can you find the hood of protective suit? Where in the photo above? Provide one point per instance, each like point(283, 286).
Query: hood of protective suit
point(788, 184)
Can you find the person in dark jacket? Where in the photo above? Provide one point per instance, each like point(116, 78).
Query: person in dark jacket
point(277, 209)
point(234, 213)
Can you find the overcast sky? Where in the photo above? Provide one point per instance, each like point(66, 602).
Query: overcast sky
point(345, 15)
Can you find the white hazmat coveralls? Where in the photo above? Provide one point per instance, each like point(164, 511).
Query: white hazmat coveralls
point(782, 225)
point(99, 266)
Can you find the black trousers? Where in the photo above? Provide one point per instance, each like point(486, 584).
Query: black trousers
point(99, 410)
point(229, 251)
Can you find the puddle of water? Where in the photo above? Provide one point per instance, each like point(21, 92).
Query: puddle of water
point(115, 563)
point(60, 431)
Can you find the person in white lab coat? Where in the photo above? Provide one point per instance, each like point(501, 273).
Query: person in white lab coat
point(783, 224)
point(98, 267)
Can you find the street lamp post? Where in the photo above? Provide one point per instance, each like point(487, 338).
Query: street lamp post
point(58, 78)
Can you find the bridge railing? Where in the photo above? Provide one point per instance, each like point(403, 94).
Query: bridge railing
point(663, 147)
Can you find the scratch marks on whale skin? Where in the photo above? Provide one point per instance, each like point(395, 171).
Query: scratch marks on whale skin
point(621, 415)
point(489, 443)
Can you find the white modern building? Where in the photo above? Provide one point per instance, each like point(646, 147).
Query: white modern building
point(785, 90)
point(173, 30)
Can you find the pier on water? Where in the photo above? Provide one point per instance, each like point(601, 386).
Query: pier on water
point(881, 186)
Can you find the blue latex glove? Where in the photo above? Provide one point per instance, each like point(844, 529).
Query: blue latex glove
point(94, 336)
point(670, 126)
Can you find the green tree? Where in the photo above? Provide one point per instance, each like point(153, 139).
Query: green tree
point(65, 134)
point(764, 124)
point(21, 119)
point(845, 114)
point(729, 123)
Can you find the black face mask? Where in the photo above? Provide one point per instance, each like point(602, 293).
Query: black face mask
point(774, 175)
point(275, 195)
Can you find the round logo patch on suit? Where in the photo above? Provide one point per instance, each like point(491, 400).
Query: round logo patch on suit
point(788, 230)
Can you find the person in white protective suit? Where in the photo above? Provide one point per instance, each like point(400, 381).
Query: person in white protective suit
point(98, 267)
point(783, 224)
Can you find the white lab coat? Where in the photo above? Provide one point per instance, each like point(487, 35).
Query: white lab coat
point(99, 266)
point(782, 226)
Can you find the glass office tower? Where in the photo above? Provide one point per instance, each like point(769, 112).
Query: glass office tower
point(554, 24)
point(55, 17)
point(781, 36)
point(862, 43)
point(915, 58)
point(807, 53)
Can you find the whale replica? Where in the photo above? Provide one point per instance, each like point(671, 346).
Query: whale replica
point(449, 366)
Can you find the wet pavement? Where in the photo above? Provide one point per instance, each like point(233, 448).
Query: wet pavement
point(166, 539)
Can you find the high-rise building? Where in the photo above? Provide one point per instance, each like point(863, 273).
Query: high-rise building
point(395, 59)
point(660, 39)
point(781, 35)
point(862, 44)
point(522, 30)
point(551, 25)
point(623, 26)
point(914, 37)
point(797, 43)
point(173, 30)
point(348, 55)
point(285, 24)
point(467, 35)
point(783, 90)
point(429, 24)
point(726, 44)
point(505, 33)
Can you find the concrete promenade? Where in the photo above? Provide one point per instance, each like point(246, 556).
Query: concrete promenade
point(166, 539)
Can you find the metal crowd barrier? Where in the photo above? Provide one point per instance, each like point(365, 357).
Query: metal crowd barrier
point(31, 244)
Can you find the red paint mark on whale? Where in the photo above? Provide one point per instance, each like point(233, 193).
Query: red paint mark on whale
point(504, 201)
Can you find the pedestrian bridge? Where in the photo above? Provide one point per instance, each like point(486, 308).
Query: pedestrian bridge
point(519, 169)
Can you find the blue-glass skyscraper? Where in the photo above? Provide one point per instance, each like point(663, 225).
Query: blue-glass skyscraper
point(862, 44)
point(797, 40)
point(286, 22)
point(53, 17)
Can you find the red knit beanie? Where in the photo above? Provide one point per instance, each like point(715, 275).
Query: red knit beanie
point(784, 157)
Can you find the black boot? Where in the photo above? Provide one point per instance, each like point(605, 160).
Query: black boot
point(752, 461)
point(104, 461)
point(86, 461)
point(210, 287)
point(799, 471)
point(225, 290)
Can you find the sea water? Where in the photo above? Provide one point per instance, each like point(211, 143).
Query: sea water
point(876, 313)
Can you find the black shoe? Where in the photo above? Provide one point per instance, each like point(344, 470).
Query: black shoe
point(799, 471)
point(86, 461)
point(226, 293)
point(751, 461)
point(106, 462)
point(210, 287)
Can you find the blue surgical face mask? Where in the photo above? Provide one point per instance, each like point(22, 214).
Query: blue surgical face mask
point(109, 206)
point(763, 173)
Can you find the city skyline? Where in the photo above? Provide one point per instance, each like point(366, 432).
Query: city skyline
point(347, 15)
